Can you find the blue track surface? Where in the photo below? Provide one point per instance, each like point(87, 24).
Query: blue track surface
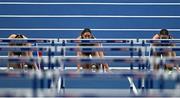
point(94, 23)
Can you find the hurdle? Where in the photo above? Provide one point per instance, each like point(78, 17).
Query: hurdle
point(64, 58)
point(65, 41)
point(143, 43)
point(36, 75)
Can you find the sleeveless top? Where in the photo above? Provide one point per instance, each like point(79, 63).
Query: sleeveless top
point(18, 53)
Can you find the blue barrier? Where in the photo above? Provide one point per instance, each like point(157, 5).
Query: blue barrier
point(5, 40)
point(99, 41)
point(22, 48)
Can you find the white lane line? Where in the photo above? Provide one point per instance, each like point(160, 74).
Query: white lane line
point(83, 16)
point(83, 3)
point(78, 29)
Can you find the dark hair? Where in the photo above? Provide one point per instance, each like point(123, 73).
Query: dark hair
point(19, 36)
point(164, 32)
point(86, 30)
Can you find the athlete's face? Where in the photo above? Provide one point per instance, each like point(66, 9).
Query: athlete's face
point(87, 35)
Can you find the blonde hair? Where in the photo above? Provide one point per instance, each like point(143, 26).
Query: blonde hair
point(12, 36)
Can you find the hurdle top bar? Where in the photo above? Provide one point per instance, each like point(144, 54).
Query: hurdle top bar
point(125, 41)
point(24, 48)
point(29, 40)
point(72, 74)
point(162, 41)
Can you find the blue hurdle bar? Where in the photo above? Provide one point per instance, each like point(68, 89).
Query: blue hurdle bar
point(23, 48)
point(103, 48)
point(165, 48)
point(73, 74)
point(19, 59)
point(162, 41)
point(104, 60)
point(127, 41)
point(99, 40)
point(39, 40)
